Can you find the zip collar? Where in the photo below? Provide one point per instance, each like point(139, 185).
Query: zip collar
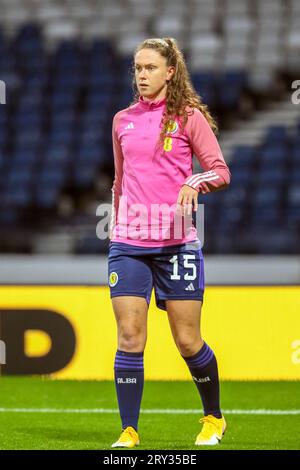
point(152, 104)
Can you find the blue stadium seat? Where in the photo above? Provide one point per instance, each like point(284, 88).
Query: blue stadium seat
point(31, 98)
point(267, 240)
point(24, 158)
point(205, 84)
point(37, 80)
point(276, 135)
point(61, 136)
point(46, 197)
point(9, 218)
point(293, 216)
point(241, 176)
point(71, 80)
point(98, 83)
point(276, 240)
point(294, 175)
point(267, 214)
point(17, 177)
point(55, 176)
point(28, 140)
point(17, 196)
point(224, 242)
point(29, 121)
point(57, 154)
point(243, 155)
point(230, 217)
point(294, 195)
point(231, 85)
point(84, 175)
point(63, 123)
point(101, 48)
point(271, 175)
point(2, 158)
point(63, 101)
point(266, 195)
point(3, 116)
point(273, 154)
point(3, 139)
point(68, 54)
point(90, 154)
point(97, 99)
point(233, 196)
point(94, 117)
point(295, 153)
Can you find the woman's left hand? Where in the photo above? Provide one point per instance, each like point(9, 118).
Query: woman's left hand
point(186, 198)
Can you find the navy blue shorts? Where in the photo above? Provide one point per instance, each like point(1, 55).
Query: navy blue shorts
point(175, 272)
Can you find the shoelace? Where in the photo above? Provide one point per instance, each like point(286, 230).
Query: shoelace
point(209, 426)
point(125, 432)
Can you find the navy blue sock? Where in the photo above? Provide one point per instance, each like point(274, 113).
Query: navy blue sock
point(204, 369)
point(129, 380)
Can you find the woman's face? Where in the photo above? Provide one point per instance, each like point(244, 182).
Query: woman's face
point(151, 73)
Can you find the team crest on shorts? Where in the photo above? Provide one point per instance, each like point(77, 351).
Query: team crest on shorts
point(113, 279)
point(172, 127)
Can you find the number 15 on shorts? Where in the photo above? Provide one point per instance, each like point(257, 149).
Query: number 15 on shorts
point(189, 265)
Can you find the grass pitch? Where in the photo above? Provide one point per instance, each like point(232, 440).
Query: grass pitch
point(39, 413)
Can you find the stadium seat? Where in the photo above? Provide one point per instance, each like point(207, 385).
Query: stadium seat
point(266, 195)
point(273, 154)
point(276, 135)
point(276, 240)
point(294, 195)
point(243, 155)
point(270, 175)
point(16, 196)
point(46, 197)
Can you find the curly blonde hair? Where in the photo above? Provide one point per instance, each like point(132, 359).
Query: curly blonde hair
point(180, 91)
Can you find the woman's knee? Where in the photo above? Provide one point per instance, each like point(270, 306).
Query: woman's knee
point(132, 338)
point(132, 326)
point(188, 345)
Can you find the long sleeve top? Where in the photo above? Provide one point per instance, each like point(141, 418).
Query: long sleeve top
point(148, 177)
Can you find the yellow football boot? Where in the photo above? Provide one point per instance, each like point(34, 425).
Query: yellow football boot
point(212, 431)
point(129, 438)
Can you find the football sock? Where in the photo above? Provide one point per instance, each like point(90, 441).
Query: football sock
point(204, 369)
point(129, 380)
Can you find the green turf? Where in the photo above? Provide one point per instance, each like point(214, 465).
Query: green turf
point(98, 431)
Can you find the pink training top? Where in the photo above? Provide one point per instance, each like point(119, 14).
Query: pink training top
point(147, 176)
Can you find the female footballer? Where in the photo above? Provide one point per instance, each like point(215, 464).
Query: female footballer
point(154, 189)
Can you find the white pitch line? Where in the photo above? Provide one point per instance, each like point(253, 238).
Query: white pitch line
point(147, 411)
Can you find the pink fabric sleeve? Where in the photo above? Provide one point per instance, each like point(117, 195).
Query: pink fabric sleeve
point(118, 163)
point(205, 146)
